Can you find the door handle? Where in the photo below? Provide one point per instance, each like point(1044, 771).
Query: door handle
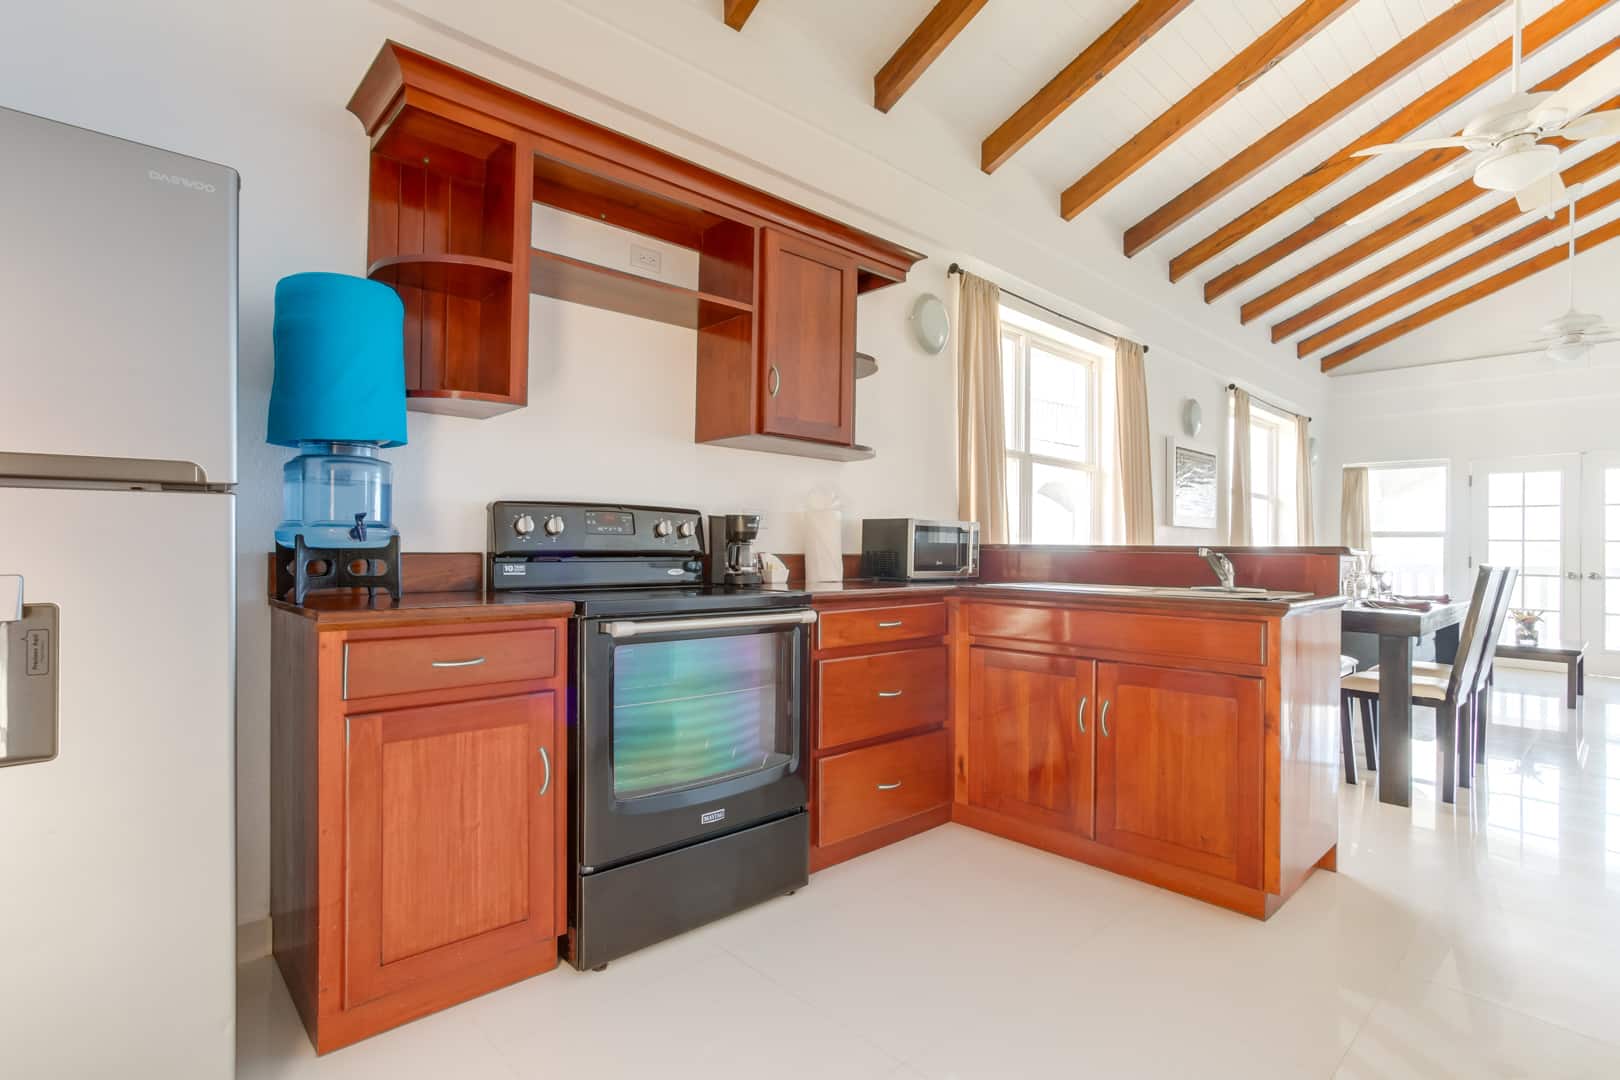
point(1593, 575)
point(474, 662)
point(889, 787)
point(774, 382)
point(890, 693)
point(1081, 717)
point(545, 759)
point(1104, 719)
point(1572, 575)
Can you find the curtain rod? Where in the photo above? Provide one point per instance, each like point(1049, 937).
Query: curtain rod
point(955, 268)
point(1269, 404)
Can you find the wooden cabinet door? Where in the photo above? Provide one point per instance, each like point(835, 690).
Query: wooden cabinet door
point(1030, 746)
point(1179, 768)
point(807, 368)
point(452, 839)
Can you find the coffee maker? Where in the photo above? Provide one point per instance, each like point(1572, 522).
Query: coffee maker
point(731, 549)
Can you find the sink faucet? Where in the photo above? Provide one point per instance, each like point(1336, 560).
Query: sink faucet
point(1221, 565)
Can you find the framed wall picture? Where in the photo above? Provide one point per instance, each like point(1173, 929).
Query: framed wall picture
point(1193, 484)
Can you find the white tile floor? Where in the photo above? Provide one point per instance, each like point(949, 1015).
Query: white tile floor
point(1483, 942)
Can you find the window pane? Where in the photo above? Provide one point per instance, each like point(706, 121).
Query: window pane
point(1542, 593)
point(1060, 505)
point(1262, 439)
point(1261, 529)
point(1059, 393)
point(1543, 523)
point(1611, 485)
point(1543, 558)
point(1499, 553)
point(1506, 523)
point(1015, 502)
point(1506, 489)
point(1543, 488)
point(1408, 499)
point(1415, 564)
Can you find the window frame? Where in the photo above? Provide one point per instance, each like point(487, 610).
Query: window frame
point(1443, 535)
point(1280, 501)
point(1018, 452)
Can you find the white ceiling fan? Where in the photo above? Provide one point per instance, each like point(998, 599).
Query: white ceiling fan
point(1569, 338)
point(1506, 151)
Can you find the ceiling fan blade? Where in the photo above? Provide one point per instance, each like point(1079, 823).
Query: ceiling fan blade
point(1418, 145)
point(1595, 84)
point(1598, 125)
point(1543, 195)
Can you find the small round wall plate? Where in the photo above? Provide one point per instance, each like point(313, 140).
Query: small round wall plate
point(931, 323)
point(865, 364)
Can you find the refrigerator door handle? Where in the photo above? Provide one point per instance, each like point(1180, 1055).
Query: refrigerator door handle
point(11, 598)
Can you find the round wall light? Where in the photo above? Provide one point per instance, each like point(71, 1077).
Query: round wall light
point(1192, 418)
point(931, 323)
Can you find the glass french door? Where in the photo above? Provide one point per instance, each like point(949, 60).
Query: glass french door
point(1527, 514)
point(1600, 570)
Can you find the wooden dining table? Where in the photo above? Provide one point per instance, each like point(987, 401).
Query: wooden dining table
point(1399, 631)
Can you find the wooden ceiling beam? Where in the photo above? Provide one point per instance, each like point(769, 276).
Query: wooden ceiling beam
point(937, 30)
point(1430, 212)
point(1130, 32)
point(1265, 52)
point(1384, 69)
point(1472, 77)
point(737, 12)
point(1477, 291)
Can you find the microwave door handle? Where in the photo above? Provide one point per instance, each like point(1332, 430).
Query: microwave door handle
point(623, 629)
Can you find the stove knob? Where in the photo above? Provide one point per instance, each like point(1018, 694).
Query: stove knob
point(685, 530)
point(554, 525)
point(523, 524)
point(662, 529)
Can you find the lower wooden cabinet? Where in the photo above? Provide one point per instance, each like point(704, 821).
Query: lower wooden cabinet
point(1030, 739)
point(1179, 768)
point(418, 823)
point(864, 790)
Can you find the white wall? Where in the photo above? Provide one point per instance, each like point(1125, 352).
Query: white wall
point(262, 89)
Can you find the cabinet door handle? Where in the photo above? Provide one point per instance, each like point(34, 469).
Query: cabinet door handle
point(890, 624)
point(1081, 716)
point(890, 693)
point(474, 662)
point(889, 787)
point(774, 382)
point(545, 759)
point(1104, 718)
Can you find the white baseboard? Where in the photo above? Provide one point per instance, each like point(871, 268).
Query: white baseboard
point(252, 940)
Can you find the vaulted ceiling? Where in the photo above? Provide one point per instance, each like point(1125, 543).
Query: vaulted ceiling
point(1215, 139)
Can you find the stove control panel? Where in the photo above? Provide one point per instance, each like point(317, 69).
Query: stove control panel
point(556, 530)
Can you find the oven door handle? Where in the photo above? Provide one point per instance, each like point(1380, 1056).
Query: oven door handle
point(638, 627)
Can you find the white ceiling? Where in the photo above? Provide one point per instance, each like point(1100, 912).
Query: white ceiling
point(1011, 48)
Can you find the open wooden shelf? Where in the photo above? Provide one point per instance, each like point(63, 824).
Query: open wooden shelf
point(564, 278)
point(457, 275)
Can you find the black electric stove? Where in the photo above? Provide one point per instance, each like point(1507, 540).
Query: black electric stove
point(687, 720)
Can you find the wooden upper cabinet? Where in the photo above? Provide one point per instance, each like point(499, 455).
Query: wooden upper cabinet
point(451, 822)
point(1030, 745)
point(807, 346)
point(1179, 766)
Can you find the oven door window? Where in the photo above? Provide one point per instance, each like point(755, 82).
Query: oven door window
point(940, 548)
point(696, 711)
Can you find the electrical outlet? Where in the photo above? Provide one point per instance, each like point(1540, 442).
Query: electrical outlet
point(647, 260)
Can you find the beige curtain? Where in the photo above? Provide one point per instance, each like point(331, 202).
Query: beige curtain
point(1355, 514)
point(1238, 527)
point(981, 437)
point(1135, 447)
point(1303, 488)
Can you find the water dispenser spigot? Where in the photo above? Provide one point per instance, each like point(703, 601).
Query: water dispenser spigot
point(359, 530)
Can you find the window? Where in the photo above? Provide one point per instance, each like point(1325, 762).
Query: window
point(1051, 393)
point(1407, 504)
point(1273, 470)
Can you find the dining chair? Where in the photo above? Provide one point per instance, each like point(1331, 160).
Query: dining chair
point(1448, 695)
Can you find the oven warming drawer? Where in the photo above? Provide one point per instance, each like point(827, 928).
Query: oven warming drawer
point(630, 907)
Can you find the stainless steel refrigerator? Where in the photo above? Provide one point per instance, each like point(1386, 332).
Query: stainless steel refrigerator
point(118, 388)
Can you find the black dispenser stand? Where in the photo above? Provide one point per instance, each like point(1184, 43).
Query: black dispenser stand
point(379, 569)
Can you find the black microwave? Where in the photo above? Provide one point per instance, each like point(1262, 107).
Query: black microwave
point(908, 549)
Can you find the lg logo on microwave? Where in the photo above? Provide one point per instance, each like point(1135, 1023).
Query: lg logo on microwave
point(179, 181)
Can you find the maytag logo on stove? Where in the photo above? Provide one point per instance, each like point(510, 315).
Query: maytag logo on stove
point(179, 181)
point(711, 816)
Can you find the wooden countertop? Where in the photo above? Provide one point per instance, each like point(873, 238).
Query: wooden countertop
point(347, 611)
point(921, 590)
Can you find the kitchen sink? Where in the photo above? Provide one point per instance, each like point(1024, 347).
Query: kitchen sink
point(1183, 592)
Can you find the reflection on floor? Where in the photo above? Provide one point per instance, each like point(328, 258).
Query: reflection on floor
point(1468, 943)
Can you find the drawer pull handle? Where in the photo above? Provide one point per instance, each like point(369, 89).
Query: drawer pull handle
point(1082, 715)
point(545, 759)
point(1105, 718)
point(474, 662)
point(889, 787)
point(890, 693)
point(891, 624)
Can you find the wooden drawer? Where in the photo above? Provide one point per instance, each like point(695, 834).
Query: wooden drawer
point(880, 785)
point(444, 662)
point(868, 697)
point(1137, 635)
point(880, 625)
